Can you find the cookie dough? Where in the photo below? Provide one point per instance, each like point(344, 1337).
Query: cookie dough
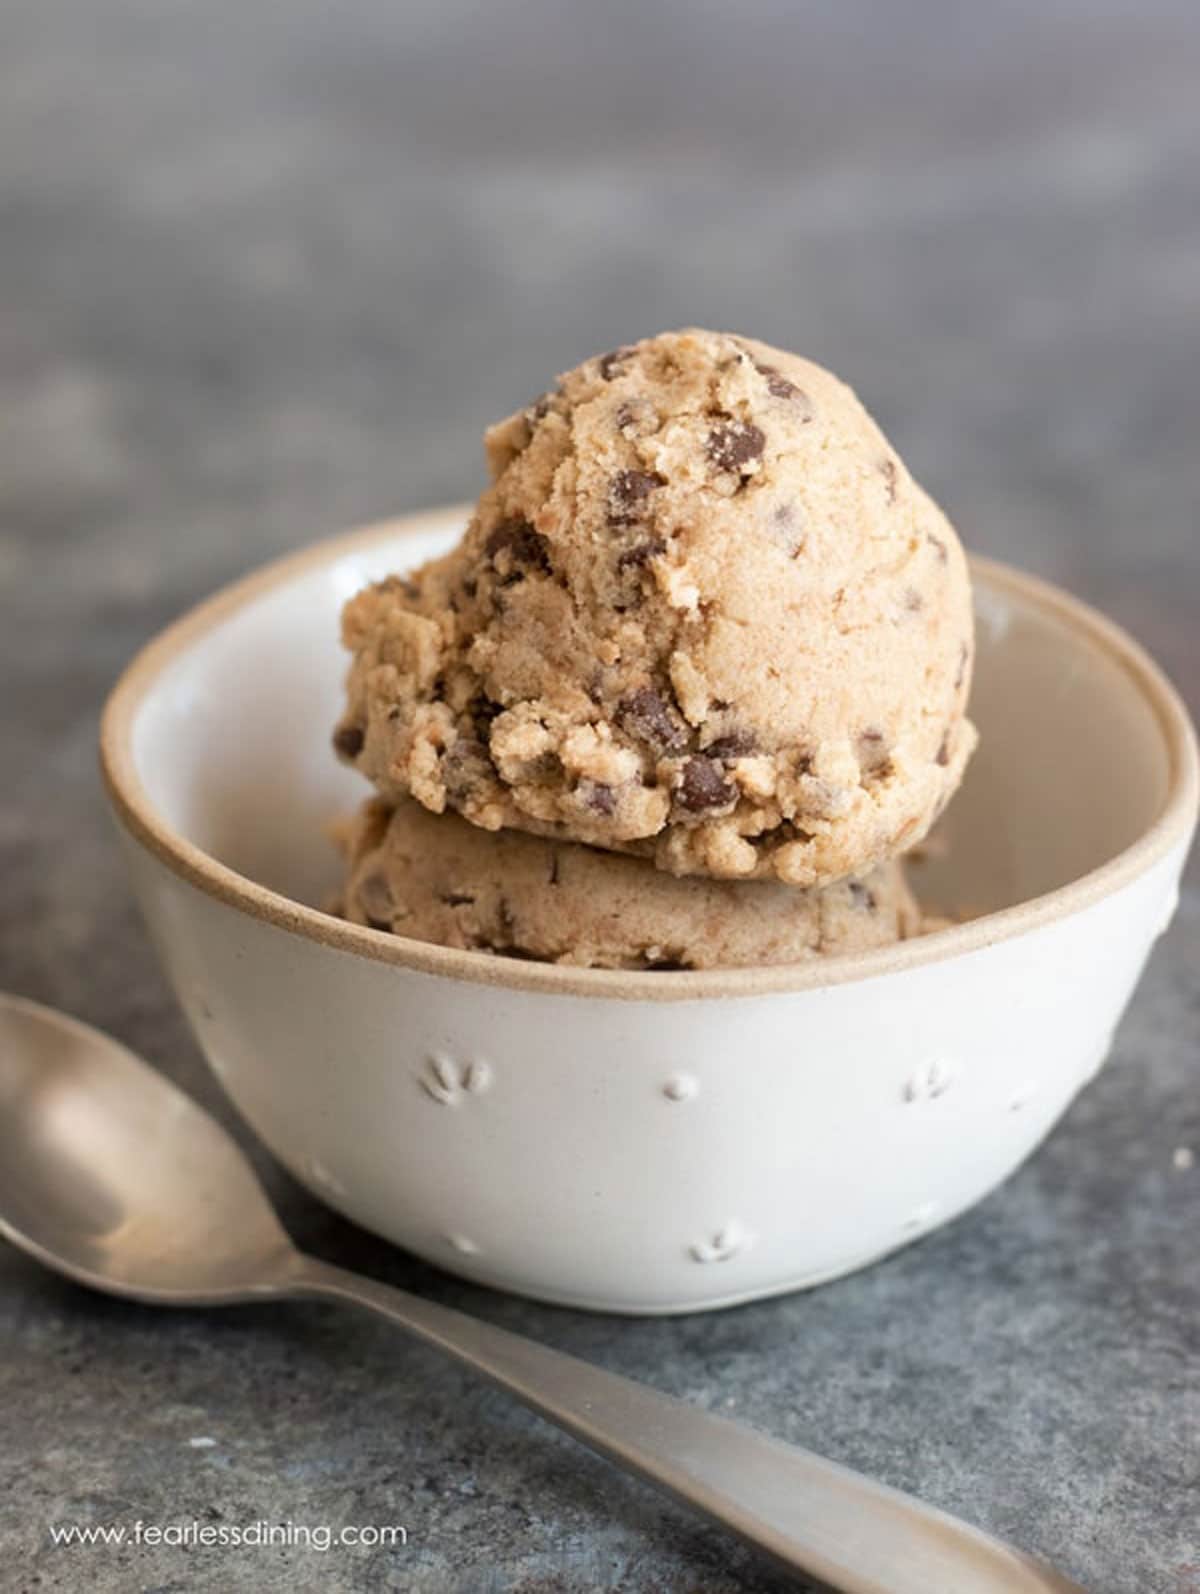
point(703, 613)
point(438, 878)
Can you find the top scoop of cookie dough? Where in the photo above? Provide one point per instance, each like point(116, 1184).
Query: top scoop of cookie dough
point(702, 613)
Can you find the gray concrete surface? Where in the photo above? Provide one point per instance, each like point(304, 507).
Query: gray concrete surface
point(266, 270)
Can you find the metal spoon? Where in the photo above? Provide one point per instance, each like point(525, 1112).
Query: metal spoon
point(112, 1176)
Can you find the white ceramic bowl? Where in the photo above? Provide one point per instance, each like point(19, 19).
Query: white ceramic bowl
point(646, 1142)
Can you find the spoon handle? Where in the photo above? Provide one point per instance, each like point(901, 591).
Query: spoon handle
point(813, 1515)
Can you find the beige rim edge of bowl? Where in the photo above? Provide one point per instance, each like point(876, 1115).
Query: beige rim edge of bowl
point(136, 813)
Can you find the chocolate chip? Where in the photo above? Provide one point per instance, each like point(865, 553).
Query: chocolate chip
point(601, 799)
point(779, 387)
point(702, 785)
point(734, 744)
point(734, 444)
point(644, 713)
point(612, 364)
point(348, 740)
point(777, 384)
point(627, 490)
point(863, 896)
point(890, 477)
point(943, 552)
point(943, 752)
point(641, 553)
point(524, 546)
point(467, 764)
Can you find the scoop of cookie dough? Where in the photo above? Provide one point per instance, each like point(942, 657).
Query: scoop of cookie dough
point(703, 613)
point(438, 878)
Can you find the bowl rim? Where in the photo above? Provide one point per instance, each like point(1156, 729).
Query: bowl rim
point(147, 826)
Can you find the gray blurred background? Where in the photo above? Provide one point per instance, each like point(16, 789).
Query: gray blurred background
point(267, 269)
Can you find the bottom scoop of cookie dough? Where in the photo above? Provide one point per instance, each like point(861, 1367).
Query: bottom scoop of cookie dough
point(436, 877)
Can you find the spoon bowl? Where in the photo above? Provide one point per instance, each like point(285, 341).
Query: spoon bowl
point(109, 1174)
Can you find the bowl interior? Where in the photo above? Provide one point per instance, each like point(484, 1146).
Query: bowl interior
point(231, 738)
